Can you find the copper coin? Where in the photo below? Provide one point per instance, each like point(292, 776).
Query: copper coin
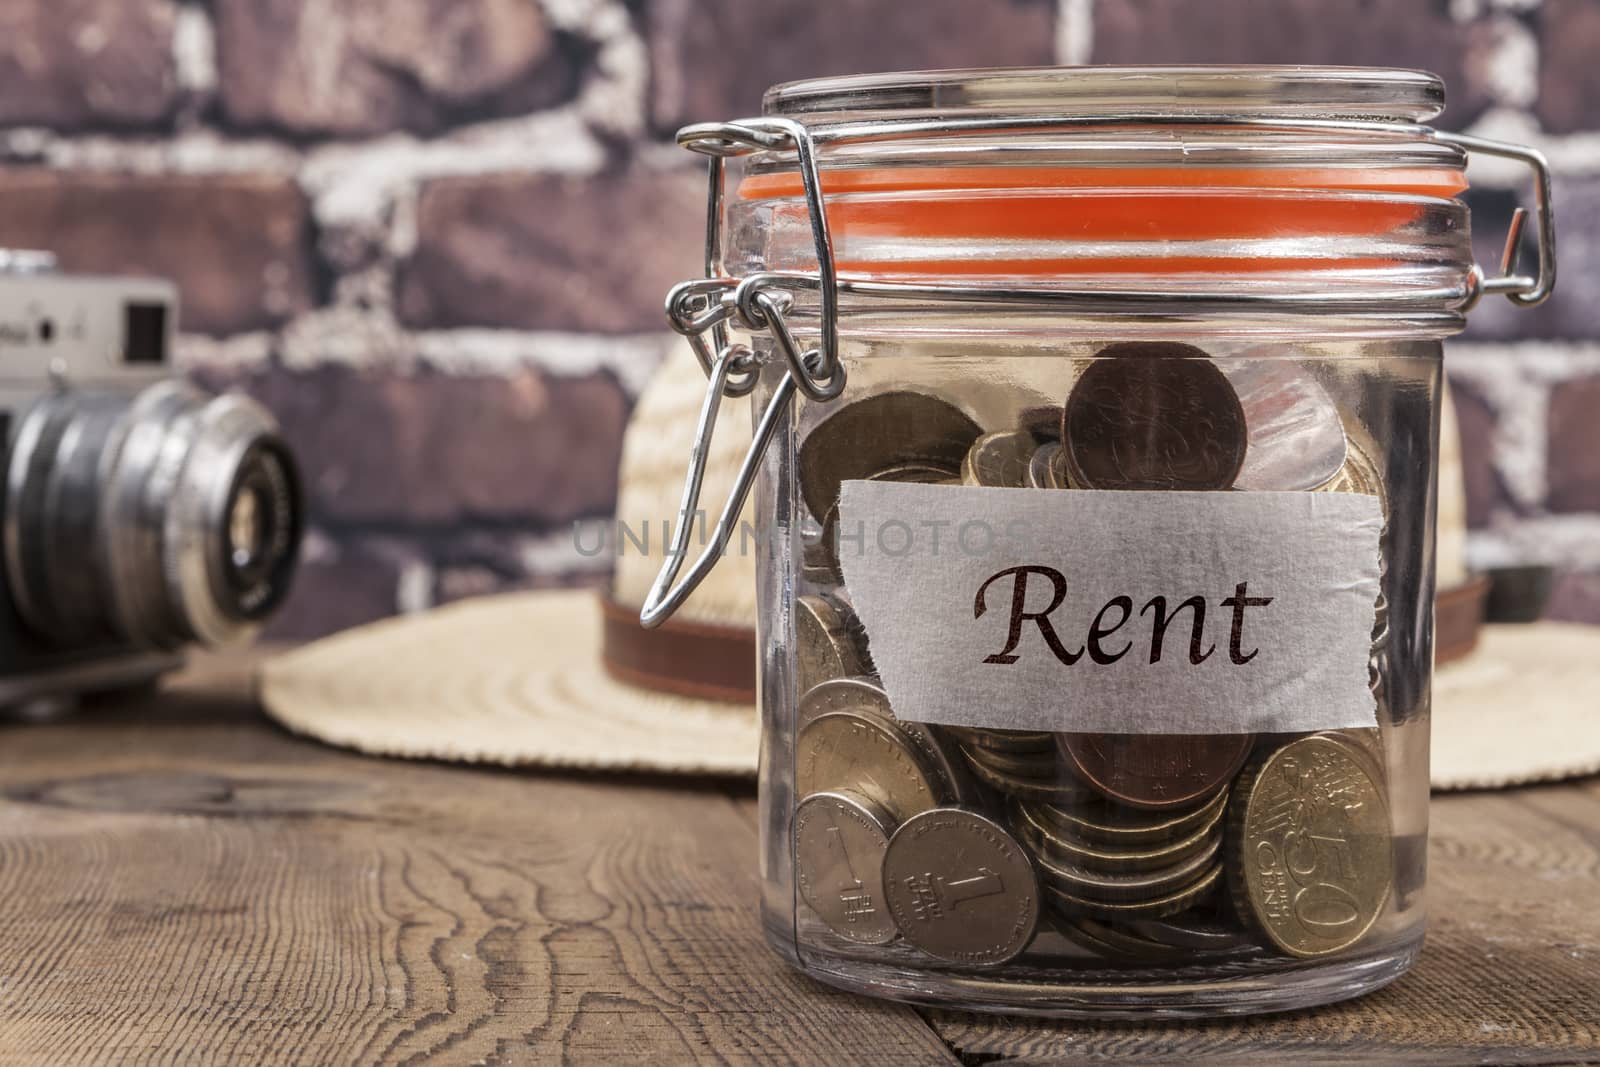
point(1156, 771)
point(904, 429)
point(1153, 415)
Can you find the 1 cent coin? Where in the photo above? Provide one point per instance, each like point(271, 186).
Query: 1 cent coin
point(839, 843)
point(1156, 771)
point(960, 888)
point(1153, 415)
point(1315, 849)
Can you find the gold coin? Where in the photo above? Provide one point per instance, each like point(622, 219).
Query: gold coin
point(863, 753)
point(1315, 849)
point(999, 459)
point(1138, 857)
point(1119, 826)
point(1179, 900)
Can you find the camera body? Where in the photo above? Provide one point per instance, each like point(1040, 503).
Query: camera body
point(137, 514)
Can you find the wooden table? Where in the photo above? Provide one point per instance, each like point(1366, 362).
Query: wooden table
point(181, 880)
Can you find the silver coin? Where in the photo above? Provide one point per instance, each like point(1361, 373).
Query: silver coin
point(960, 888)
point(864, 754)
point(826, 645)
point(1000, 459)
point(1296, 437)
point(839, 843)
point(1180, 900)
point(866, 696)
point(1044, 469)
point(1068, 845)
point(1129, 886)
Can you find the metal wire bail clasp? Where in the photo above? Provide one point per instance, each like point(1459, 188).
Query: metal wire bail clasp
point(1519, 288)
point(759, 302)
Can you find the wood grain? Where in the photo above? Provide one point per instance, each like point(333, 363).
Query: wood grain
point(180, 881)
point(1510, 972)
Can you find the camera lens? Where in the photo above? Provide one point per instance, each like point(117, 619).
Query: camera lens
point(162, 519)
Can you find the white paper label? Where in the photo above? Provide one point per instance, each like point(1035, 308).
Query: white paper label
point(1116, 612)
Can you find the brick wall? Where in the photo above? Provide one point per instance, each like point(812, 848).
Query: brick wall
point(433, 235)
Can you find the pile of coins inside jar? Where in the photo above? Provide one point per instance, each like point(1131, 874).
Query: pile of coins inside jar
point(972, 846)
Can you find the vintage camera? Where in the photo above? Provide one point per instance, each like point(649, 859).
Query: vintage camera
point(138, 514)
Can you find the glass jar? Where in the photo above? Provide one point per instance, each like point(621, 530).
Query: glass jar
point(1097, 421)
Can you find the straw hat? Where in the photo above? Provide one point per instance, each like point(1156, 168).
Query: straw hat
point(567, 679)
point(563, 678)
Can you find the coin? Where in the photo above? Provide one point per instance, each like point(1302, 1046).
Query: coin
point(1138, 938)
point(869, 436)
point(1171, 904)
point(1000, 459)
point(1153, 415)
point(1314, 846)
point(1035, 764)
point(1028, 787)
point(866, 696)
point(1296, 436)
point(1156, 771)
point(864, 754)
point(1195, 934)
point(1004, 740)
point(820, 558)
point(1115, 942)
point(1112, 825)
point(960, 888)
point(825, 642)
point(1044, 469)
point(1112, 858)
point(839, 843)
point(1128, 886)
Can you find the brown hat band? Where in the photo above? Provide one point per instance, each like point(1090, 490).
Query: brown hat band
point(689, 659)
point(1457, 619)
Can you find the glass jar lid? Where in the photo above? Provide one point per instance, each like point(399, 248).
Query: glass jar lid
point(1360, 93)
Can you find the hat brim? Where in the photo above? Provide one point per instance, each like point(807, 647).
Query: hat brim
point(516, 680)
point(513, 680)
point(1523, 707)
